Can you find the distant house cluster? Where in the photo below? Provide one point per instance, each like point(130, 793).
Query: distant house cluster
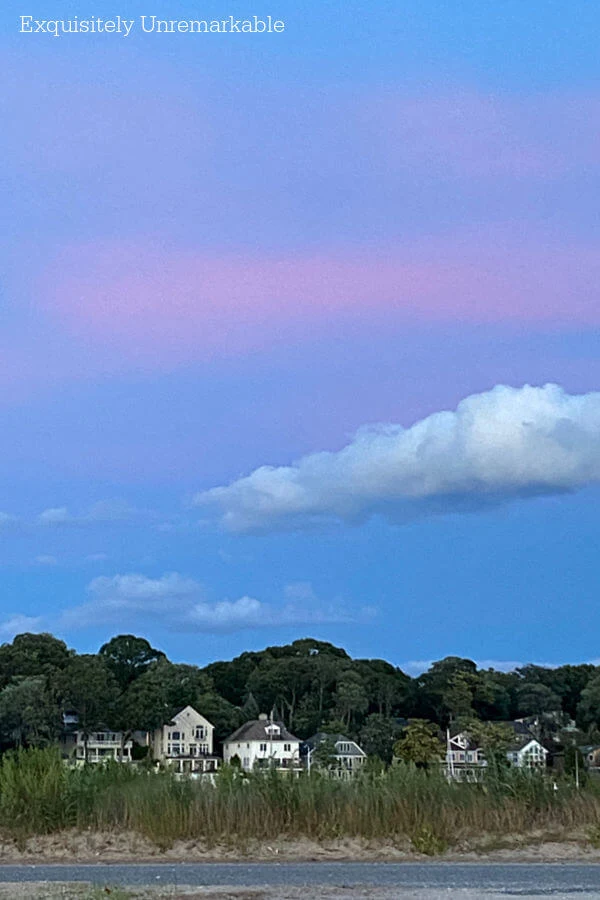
point(185, 744)
point(466, 761)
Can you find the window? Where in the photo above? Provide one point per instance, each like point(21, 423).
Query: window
point(175, 735)
point(263, 748)
point(287, 748)
point(200, 732)
point(344, 748)
point(193, 749)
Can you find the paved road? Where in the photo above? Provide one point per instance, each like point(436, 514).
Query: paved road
point(576, 881)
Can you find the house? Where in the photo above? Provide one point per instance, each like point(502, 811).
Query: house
point(347, 757)
point(263, 743)
point(527, 753)
point(465, 760)
point(96, 746)
point(101, 747)
point(185, 743)
point(591, 756)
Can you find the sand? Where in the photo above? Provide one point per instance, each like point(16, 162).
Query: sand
point(123, 847)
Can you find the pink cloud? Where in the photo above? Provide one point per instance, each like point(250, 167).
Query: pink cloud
point(146, 300)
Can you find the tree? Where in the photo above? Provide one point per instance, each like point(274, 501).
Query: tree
point(386, 686)
point(419, 744)
point(128, 657)
point(90, 690)
point(378, 735)
point(492, 695)
point(448, 688)
point(588, 709)
point(494, 738)
point(32, 654)
point(534, 699)
point(351, 699)
point(29, 714)
point(250, 710)
point(281, 682)
point(324, 755)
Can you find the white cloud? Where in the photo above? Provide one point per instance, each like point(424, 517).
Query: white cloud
point(96, 557)
point(99, 513)
point(46, 559)
point(178, 603)
point(497, 446)
point(6, 520)
point(58, 515)
point(19, 624)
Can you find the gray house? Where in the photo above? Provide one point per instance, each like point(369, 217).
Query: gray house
point(347, 754)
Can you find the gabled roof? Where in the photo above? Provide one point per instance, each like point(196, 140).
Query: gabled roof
point(186, 711)
point(256, 730)
point(518, 745)
point(322, 736)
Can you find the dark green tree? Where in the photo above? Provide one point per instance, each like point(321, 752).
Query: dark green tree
point(89, 689)
point(29, 713)
point(378, 736)
point(31, 655)
point(128, 657)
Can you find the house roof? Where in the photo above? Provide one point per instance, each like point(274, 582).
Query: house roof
point(517, 745)
point(256, 730)
point(322, 736)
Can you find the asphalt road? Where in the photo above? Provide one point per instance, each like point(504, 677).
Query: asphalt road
point(396, 879)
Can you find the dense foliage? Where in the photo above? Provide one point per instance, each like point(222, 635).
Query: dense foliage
point(311, 685)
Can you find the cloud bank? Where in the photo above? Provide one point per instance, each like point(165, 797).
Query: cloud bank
point(497, 446)
point(176, 603)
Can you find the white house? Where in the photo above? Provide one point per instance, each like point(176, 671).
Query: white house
point(527, 755)
point(347, 755)
point(263, 743)
point(185, 743)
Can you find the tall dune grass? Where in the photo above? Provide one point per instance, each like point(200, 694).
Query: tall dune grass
point(40, 795)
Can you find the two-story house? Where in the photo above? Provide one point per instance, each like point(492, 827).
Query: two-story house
point(185, 744)
point(527, 754)
point(263, 743)
point(465, 761)
point(347, 757)
point(102, 745)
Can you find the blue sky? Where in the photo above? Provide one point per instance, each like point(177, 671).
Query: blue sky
point(226, 252)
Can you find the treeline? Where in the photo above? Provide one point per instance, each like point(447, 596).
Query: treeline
point(311, 685)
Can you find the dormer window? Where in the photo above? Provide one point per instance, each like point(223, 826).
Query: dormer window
point(273, 729)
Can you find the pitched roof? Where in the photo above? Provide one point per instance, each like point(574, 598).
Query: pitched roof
point(322, 736)
point(256, 730)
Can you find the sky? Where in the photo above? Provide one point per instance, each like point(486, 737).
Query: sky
point(299, 331)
